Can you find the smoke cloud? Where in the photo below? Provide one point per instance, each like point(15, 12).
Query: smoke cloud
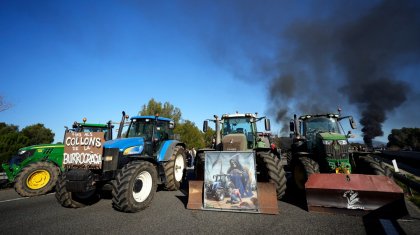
point(346, 53)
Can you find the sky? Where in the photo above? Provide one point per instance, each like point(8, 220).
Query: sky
point(61, 61)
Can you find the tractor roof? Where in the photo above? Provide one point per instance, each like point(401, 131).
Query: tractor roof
point(75, 124)
point(328, 115)
point(152, 117)
point(93, 125)
point(235, 115)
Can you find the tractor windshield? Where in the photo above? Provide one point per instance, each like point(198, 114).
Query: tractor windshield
point(237, 125)
point(141, 128)
point(144, 128)
point(321, 124)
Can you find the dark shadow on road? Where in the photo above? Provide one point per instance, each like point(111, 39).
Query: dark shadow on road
point(293, 195)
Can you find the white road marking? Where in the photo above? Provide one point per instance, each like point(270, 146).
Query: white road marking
point(20, 198)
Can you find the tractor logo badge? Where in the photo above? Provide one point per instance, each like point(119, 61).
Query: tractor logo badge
point(352, 200)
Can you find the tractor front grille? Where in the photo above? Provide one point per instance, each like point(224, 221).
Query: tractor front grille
point(110, 159)
point(336, 151)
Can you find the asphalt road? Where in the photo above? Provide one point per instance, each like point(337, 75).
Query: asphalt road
point(168, 215)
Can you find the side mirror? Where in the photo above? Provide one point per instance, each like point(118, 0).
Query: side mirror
point(267, 124)
point(292, 126)
point(352, 123)
point(205, 126)
point(171, 125)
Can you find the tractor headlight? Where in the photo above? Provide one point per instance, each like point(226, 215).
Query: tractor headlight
point(327, 142)
point(342, 142)
point(133, 150)
point(21, 152)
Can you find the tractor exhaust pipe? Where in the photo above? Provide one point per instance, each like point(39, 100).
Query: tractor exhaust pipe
point(121, 125)
point(218, 135)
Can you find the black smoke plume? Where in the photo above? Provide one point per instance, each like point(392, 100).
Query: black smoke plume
point(337, 53)
point(367, 51)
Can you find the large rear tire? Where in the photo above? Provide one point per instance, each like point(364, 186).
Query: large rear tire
point(199, 166)
point(175, 169)
point(377, 167)
point(36, 179)
point(270, 169)
point(73, 199)
point(134, 187)
point(302, 168)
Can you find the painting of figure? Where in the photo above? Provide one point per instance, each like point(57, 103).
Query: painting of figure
point(230, 181)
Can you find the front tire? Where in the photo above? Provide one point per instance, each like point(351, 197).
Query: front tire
point(175, 169)
point(134, 187)
point(270, 169)
point(303, 167)
point(36, 179)
point(199, 166)
point(73, 199)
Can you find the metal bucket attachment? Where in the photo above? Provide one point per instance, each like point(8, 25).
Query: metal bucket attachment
point(267, 197)
point(352, 194)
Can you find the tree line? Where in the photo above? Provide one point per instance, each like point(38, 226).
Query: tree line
point(188, 132)
point(12, 139)
point(404, 138)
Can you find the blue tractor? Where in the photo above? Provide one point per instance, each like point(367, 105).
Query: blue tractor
point(132, 167)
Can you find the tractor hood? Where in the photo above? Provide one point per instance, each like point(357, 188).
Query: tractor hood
point(124, 143)
point(41, 146)
point(332, 136)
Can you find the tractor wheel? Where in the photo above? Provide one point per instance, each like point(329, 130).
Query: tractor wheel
point(220, 195)
point(73, 199)
point(379, 168)
point(270, 169)
point(302, 169)
point(175, 169)
point(36, 179)
point(134, 186)
point(199, 166)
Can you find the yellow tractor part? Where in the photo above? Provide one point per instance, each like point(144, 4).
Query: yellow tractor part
point(38, 179)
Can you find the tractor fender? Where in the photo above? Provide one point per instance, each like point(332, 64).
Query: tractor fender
point(166, 150)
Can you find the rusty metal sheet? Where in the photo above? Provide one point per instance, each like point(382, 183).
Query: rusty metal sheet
point(267, 198)
point(195, 195)
point(354, 194)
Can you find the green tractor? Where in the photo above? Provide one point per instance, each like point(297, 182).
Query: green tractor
point(333, 176)
point(319, 145)
point(238, 132)
point(35, 169)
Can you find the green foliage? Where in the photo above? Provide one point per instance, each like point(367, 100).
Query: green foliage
point(405, 138)
point(11, 140)
point(190, 134)
point(209, 137)
point(38, 134)
point(164, 110)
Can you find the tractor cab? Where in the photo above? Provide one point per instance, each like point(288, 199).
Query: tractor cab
point(93, 127)
point(154, 130)
point(238, 132)
point(322, 136)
